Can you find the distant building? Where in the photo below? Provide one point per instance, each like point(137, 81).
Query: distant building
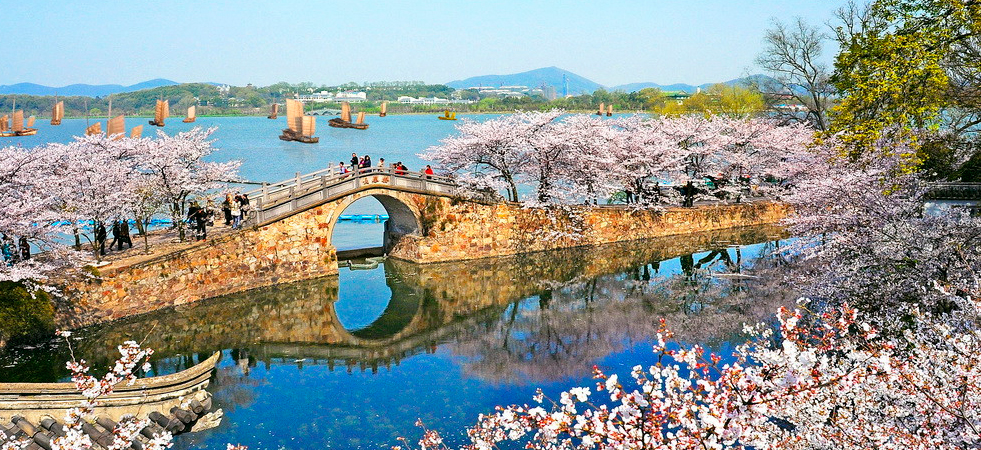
point(430, 100)
point(351, 96)
point(320, 97)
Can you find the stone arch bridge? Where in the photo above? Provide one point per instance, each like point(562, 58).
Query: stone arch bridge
point(288, 238)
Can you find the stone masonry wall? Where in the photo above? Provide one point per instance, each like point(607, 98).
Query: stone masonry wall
point(296, 248)
point(462, 230)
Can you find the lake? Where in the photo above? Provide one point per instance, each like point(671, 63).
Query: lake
point(352, 361)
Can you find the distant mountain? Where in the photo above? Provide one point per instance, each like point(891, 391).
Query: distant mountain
point(758, 79)
point(533, 78)
point(88, 90)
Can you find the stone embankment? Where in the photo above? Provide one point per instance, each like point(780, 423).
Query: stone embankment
point(298, 247)
point(463, 230)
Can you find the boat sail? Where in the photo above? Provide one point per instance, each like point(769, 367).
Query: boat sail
point(95, 128)
point(30, 122)
point(384, 110)
point(275, 111)
point(17, 127)
point(191, 115)
point(300, 128)
point(57, 113)
point(345, 120)
point(136, 132)
point(116, 126)
point(447, 115)
point(602, 109)
point(4, 124)
point(160, 112)
point(609, 110)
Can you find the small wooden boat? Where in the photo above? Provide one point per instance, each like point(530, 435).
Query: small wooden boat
point(136, 132)
point(384, 110)
point(57, 113)
point(160, 113)
point(95, 128)
point(181, 396)
point(602, 109)
point(300, 128)
point(274, 111)
point(345, 120)
point(609, 110)
point(447, 115)
point(17, 127)
point(191, 115)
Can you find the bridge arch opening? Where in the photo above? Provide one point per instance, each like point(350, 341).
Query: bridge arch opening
point(371, 225)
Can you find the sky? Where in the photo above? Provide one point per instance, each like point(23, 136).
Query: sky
point(331, 42)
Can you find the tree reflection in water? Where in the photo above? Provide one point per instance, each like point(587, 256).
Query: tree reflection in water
point(706, 297)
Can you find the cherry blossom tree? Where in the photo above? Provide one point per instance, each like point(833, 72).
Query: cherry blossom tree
point(178, 169)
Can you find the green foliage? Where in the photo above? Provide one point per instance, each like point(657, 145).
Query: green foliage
point(895, 69)
point(718, 99)
point(24, 314)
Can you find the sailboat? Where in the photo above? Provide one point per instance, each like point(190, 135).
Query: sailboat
point(275, 111)
point(136, 132)
point(191, 115)
point(300, 128)
point(57, 113)
point(447, 115)
point(95, 128)
point(609, 110)
point(4, 124)
point(160, 112)
point(17, 127)
point(602, 109)
point(116, 125)
point(384, 110)
point(345, 120)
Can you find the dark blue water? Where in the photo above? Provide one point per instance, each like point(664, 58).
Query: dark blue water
point(353, 361)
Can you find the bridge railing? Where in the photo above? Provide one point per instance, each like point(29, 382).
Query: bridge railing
point(954, 191)
point(275, 200)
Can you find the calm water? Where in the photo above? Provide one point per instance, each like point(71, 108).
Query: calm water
point(352, 361)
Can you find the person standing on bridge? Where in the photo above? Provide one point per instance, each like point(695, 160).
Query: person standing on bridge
point(226, 209)
point(381, 164)
point(354, 161)
point(236, 212)
point(429, 172)
point(367, 163)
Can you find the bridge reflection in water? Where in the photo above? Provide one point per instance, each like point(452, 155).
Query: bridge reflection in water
point(534, 316)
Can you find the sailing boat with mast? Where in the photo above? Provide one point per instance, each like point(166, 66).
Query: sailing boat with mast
point(447, 115)
point(116, 126)
point(345, 120)
point(57, 112)
point(602, 109)
point(300, 128)
point(17, 127)
point(191, 114)
point(609, 110)
point(384, 110)
point(274, 112)
point(136, 132)
point(160, 112)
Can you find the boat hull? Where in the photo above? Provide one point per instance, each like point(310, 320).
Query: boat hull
point(340, 123)
point(189, 121)
point(290, 135)
point(446, 118)
point(157, 124)
point(24, 132)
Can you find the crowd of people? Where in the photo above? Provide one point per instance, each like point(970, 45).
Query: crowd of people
point(234, 208)
point(14, 252)
point(363, 164)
